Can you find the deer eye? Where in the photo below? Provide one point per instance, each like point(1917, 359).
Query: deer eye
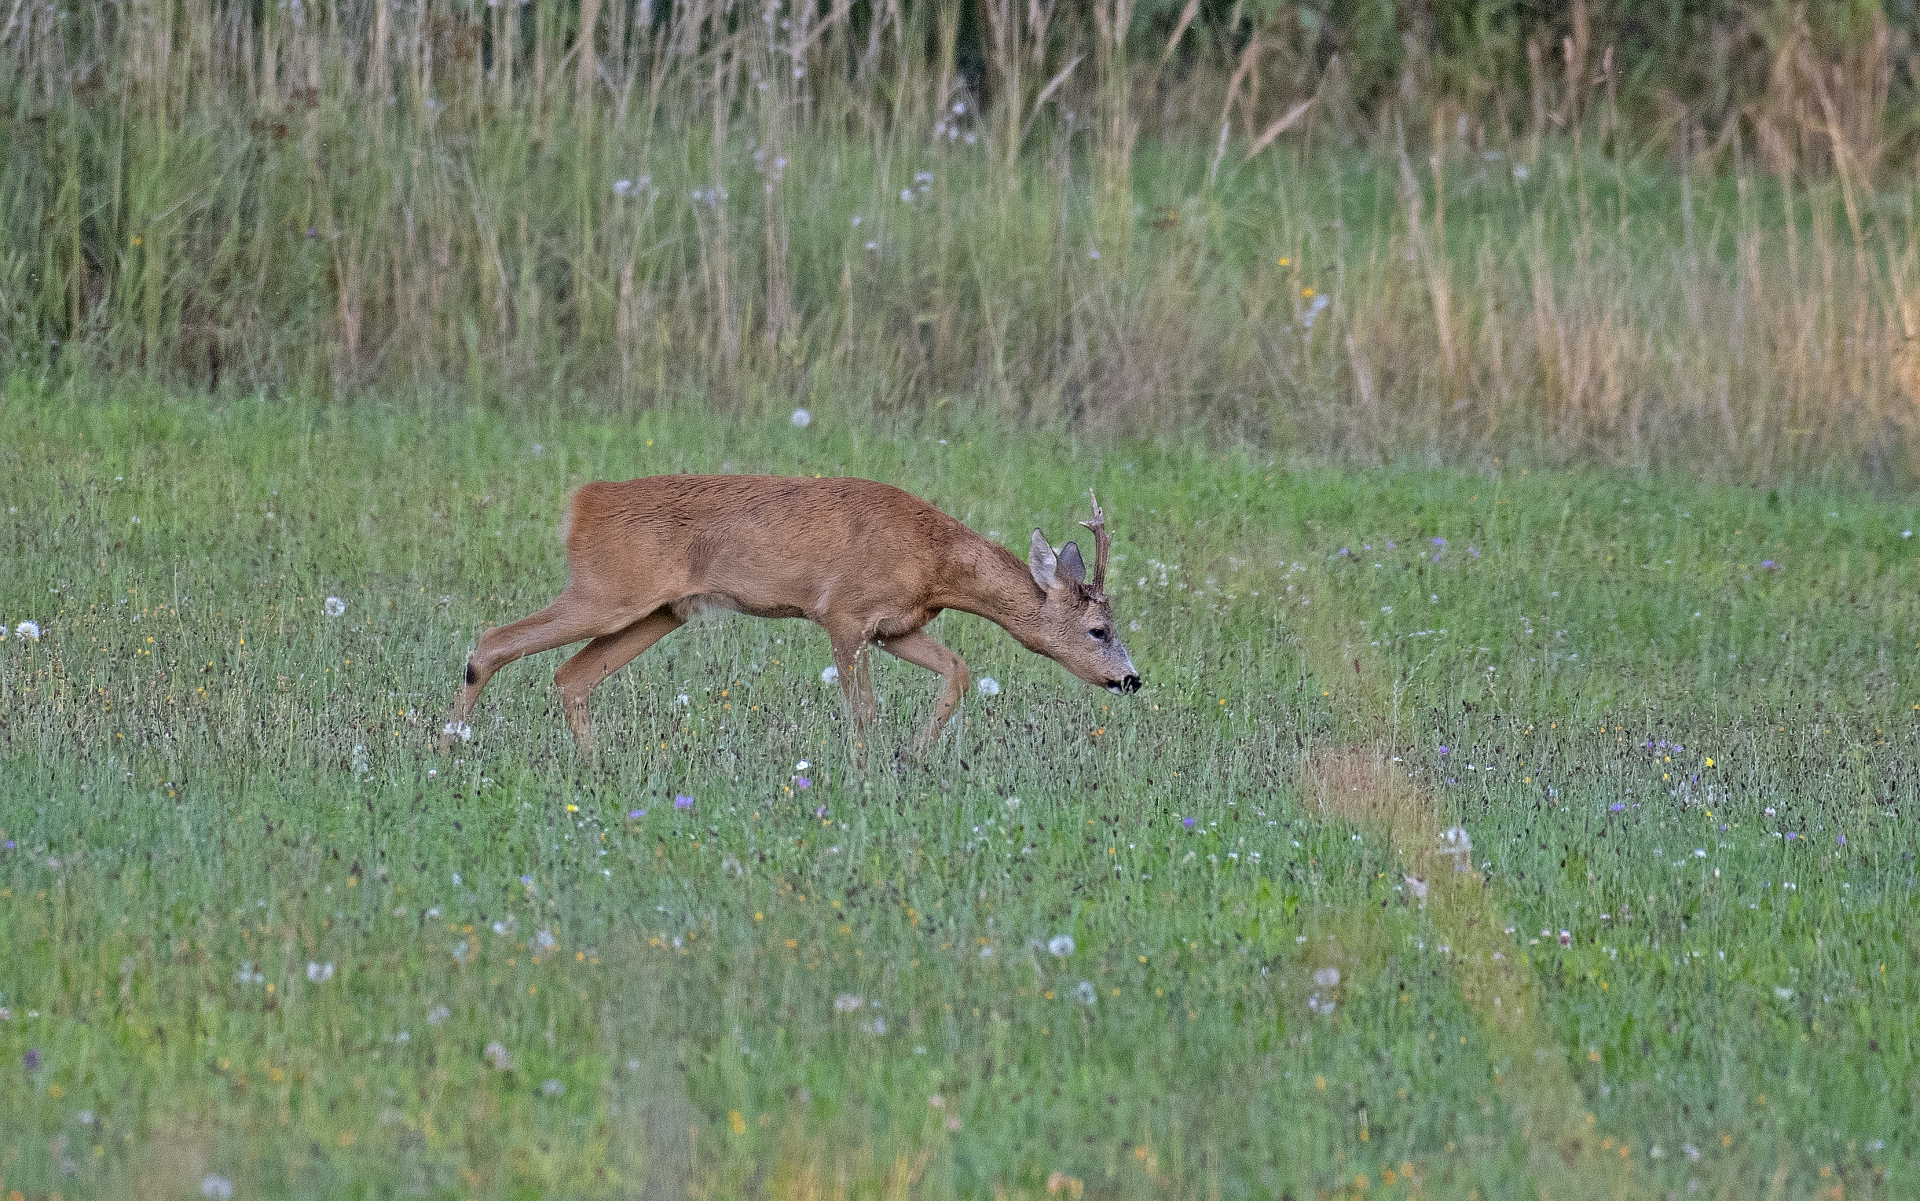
point(1098, 633)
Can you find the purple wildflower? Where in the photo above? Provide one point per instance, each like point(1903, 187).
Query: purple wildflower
point(10, 844)
point(32, 1059)
point(1841, 839)
point(636, 814)
point(1473, 552)
point(683, 801)
point(1444, 751)
point(1767, 565)
point(1791, 836)
point(526, 879)
point(821, 812)
point(1616, 807)
point(1187, 822)
point(802, 783)
point(1439, 541)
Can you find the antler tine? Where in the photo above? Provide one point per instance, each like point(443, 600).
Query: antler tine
point(1102, 541)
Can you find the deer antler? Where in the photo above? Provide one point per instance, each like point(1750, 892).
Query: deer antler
point(1102, 541)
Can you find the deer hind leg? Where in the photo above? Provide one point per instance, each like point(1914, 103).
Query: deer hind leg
point(570, 618)
point(580, 675)
point(920, 648)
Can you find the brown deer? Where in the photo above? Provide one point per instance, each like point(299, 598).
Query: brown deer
point(866, 561)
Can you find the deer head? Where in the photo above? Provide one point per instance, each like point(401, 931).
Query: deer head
point(1076, 619)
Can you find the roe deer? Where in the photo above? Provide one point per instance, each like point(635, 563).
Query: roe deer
point(866, 561)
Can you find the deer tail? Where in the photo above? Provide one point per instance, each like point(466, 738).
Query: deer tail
point(566, 519)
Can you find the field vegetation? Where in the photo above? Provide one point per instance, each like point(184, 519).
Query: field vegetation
point(252, 928)
point(1611, 233)
point(1506, 413)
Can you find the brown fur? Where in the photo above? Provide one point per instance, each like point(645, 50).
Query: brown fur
point(869, 563)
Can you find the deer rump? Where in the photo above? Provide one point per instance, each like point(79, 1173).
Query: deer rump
point(868, 562)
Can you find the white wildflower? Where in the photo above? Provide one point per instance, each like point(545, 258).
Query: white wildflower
point(1084, 992)
point(553, 1088)
point(802, 419)
point(438, 1014)
point(28, 629)
point(217, 1187)
point(830, 676)
point(497, 1057)
point(1061, 945)
point(1327, 977)
point(544, 942)
point(849, 1002)
point(334, 606)
point(319, 973)
point(988, 686)
point(460, 730)
point(622, 187)
point(1454, 842)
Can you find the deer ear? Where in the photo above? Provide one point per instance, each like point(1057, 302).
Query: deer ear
point(1041, 563)
point(1071, 564)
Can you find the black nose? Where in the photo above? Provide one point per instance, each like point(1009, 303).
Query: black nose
point(1130, 684)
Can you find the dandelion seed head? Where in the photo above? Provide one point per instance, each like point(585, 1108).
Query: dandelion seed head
point(334, 606)
point(988, 686)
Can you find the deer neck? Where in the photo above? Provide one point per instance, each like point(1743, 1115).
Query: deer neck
point(988, 581)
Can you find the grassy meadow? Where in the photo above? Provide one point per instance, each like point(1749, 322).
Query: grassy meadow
point(255, 937)
point(1110, 219)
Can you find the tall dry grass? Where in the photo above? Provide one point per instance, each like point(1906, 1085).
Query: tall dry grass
point(832, 204)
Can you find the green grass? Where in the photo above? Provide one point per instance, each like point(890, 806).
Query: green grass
point(364, 204)
point(180, 784)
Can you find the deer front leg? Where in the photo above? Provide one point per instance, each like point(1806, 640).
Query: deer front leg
point(586, 671)
point(851, 658)
point(921, 649)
